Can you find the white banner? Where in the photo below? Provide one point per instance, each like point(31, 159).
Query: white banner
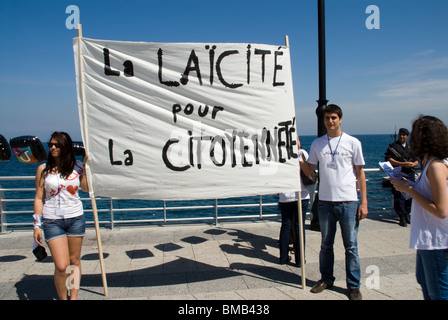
point(184, 121)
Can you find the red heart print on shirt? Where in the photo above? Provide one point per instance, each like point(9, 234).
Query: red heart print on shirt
point(72, 190)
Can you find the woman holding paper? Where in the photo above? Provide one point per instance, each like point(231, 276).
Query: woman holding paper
point(59, 212)
point(429, 227)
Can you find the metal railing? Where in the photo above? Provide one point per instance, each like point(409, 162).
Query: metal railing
point(108, 206)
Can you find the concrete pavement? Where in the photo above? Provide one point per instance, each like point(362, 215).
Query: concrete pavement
point(232, 261)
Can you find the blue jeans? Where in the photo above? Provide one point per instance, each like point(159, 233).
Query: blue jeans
point(432, 273)
point(71, 227)
point(346, 213)
point(290, 214)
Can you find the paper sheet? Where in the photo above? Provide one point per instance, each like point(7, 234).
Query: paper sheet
point(395, 173)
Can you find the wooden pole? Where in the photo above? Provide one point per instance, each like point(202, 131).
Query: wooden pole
point(287, 41)
point(300, 214)
point(88, 171)
point(301, 239)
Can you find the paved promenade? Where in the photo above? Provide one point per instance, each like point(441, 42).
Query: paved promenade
point(232, 261)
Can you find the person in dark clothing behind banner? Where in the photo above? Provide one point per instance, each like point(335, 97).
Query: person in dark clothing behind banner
point(399, 155)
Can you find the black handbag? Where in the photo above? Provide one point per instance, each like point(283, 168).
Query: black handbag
point(40, 253)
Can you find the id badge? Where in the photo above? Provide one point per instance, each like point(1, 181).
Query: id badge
point(59, 211)
point(332, 165)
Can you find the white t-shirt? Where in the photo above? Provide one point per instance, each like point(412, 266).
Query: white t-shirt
point(292, 196)
point(61, 195)
point(337, 166)
point(428, 232)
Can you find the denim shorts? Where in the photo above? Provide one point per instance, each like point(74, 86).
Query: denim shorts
point(71, 227)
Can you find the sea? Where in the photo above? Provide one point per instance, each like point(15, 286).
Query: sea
point(374, 147)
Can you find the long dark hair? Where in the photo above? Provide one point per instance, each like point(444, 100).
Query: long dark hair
point(429, 136)
point(67, 158)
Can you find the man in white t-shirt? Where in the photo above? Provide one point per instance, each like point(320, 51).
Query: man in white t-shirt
point(341, 163)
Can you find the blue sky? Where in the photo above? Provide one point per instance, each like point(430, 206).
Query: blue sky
point(382, 78)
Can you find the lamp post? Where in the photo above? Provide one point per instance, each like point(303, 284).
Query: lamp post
point(322, 102)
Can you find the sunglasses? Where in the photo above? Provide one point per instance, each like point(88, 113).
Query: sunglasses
point(57, 145)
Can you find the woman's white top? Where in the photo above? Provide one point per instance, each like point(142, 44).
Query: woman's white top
point(428, 232)
point(61, 195)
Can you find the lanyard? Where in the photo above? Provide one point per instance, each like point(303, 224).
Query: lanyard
point(331, 151)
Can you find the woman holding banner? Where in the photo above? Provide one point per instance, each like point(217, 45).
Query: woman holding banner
point(290, 222)
point(59, 211)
